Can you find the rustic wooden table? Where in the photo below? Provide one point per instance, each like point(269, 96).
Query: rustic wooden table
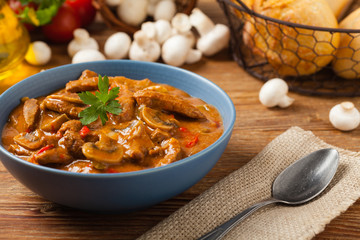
point(25, 215)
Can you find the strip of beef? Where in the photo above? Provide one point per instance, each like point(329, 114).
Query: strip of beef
point(91, 83)
point(172, 150)
point(67, 97)
point(73, 143)
point(88, 74)
point(168, 102)
point(19, 150)
point(31, 111)
point(86, 84)
point(133, 85)
point(136, 141)
point(159, 135)
point(72, 110)
point(72, 125)
point(127, 103)
point(57, 155)
point(54, 124)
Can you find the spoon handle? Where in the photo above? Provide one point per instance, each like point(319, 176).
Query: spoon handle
point(220, 231)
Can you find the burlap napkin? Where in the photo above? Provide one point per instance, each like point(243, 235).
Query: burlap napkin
point(252, 183)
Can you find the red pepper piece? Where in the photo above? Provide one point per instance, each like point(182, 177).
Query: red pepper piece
point(84, 131)
point(183, 129)
point(193, 141)
point(47, 147)
point(111, 170)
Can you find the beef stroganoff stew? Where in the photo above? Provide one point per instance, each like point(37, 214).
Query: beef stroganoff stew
point(111, 124)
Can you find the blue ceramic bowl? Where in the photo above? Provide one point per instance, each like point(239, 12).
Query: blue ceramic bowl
point(117, 192)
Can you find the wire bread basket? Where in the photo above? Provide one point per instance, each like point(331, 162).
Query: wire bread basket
point(114, 22)
point(253, 34)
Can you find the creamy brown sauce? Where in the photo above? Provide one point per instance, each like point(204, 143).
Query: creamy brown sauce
point(159, 125)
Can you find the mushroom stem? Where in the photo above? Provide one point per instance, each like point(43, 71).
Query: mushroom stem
point(201, 22)
point(213, 38)
point(285, 102)
point(347, 106)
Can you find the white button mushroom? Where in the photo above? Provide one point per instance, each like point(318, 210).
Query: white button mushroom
point(273, 93)
point(82, 40)
point(151, 7)
point(165, 9)
point(163, 30)
point(177, 50)
point(181, 23)
point(344, 116)
point(159, 31)
point(39, 53)
point(213, 38)
point(149, 29)
point(143, 48)
point(117, 46)
point(193, 56)
point(201, 22)
point(87, 55)
point(133, 12)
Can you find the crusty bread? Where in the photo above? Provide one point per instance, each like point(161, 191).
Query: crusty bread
point(347, 62)
point(339, 7)
point(293, 51)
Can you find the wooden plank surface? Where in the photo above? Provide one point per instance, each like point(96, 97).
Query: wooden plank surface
point(24, 215)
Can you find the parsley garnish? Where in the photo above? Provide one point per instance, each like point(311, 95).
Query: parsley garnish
point(101, 103)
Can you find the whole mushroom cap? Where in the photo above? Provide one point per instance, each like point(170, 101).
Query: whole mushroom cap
point(117, 46)
point(273, 93)
point(175, 50)
point(39, 53)
point(344, 116)
point(87, 55)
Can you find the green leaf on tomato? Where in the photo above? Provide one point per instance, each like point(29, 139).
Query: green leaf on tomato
point(45, 11)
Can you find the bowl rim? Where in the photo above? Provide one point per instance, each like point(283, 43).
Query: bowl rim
point(223, 137)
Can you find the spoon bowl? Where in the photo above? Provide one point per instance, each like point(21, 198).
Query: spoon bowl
point(307, 177)
point(298, 183)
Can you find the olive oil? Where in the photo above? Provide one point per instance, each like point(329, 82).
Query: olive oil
point(14, 40)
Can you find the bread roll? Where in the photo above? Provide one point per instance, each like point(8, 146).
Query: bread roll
point(339, 7)
point(293, 51)
point(347, 61)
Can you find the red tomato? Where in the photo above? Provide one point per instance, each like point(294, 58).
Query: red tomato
point(62, 26)
point(85, 9)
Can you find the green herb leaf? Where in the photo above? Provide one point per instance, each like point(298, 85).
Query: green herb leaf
point(113, 107)
point(103, 84)
point(45, 11)
point(101, 103)
point(88, 98)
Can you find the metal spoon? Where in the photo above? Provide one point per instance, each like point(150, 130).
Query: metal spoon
point(300, 182)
